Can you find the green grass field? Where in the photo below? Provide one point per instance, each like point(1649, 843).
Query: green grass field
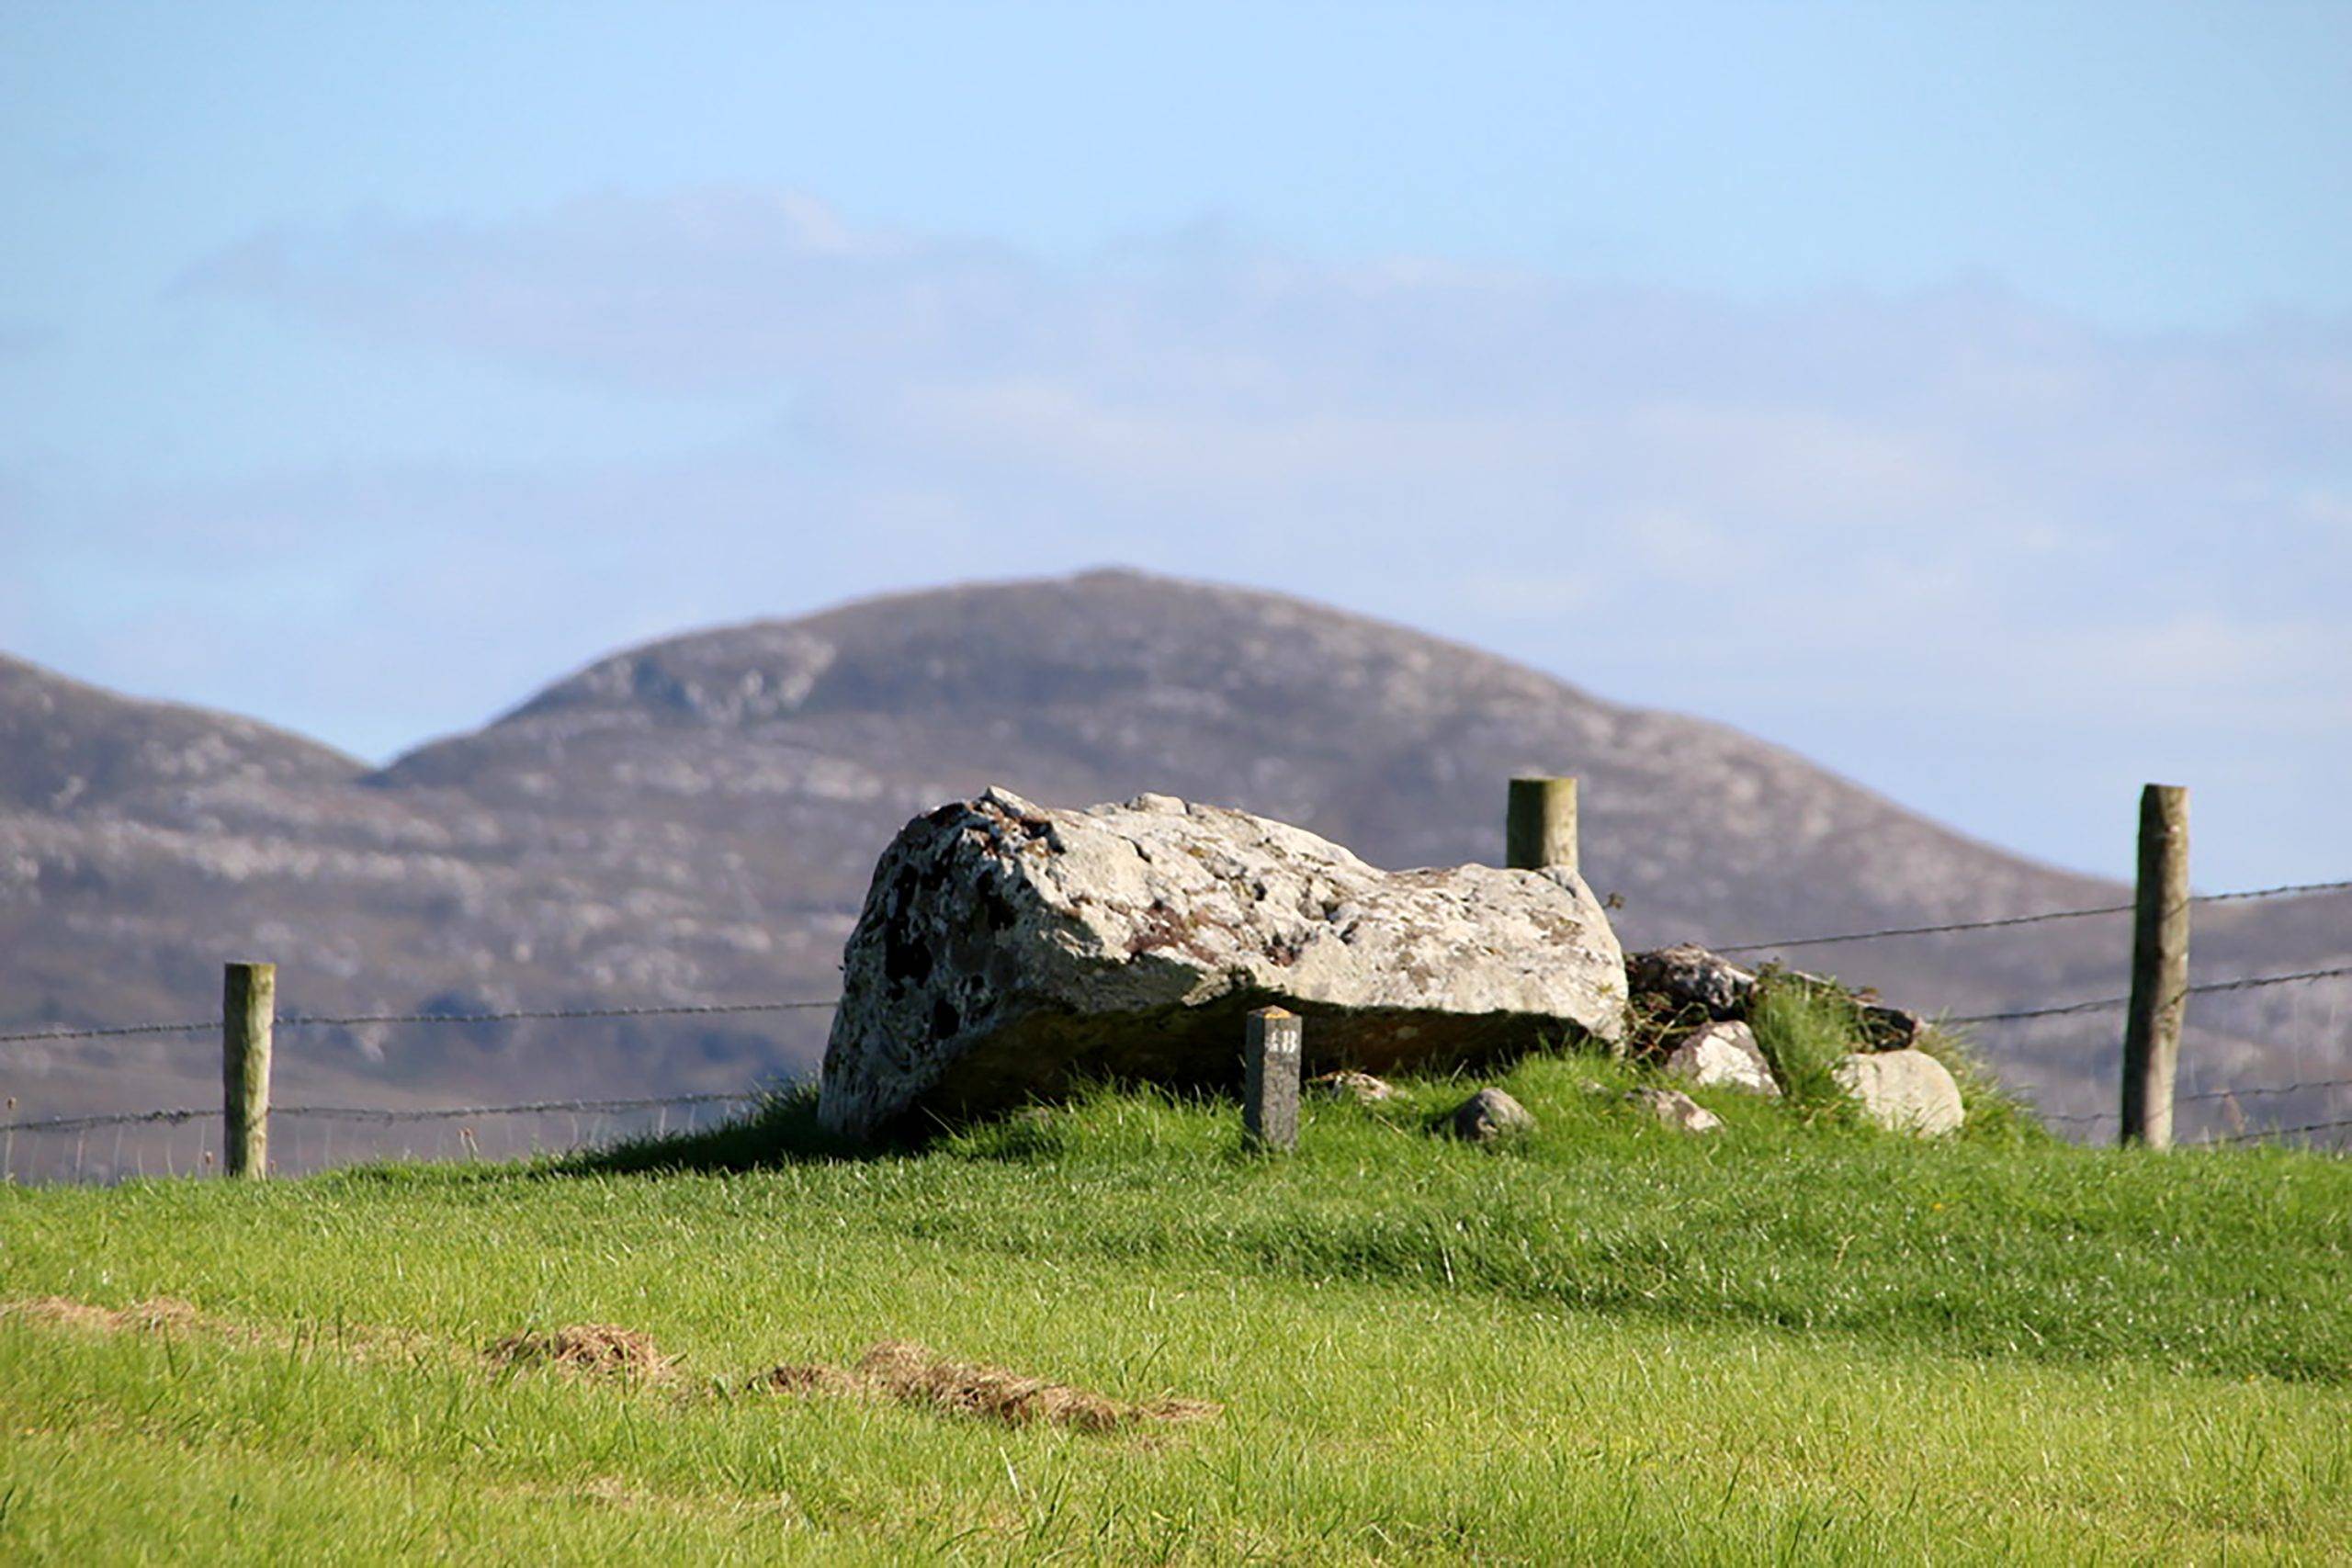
point(1797, 1341)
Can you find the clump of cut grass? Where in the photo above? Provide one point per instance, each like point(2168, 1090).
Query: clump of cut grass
point(168, 1317)
point(809, 1377)
point(158, 1314)
point(597, 1349)
point(914, 1375)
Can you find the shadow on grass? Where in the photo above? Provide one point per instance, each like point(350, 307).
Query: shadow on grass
point(780, 1129)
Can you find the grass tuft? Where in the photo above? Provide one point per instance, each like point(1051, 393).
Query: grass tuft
point(1997, 1114)
point(1805, 1031)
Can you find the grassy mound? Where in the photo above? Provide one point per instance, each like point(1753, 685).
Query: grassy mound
point(1798, 1340)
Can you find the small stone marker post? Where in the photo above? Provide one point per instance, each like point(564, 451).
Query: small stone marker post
point(1540, 829)
point(248, 1012)
point(2159, 967)
point(1269, 1095)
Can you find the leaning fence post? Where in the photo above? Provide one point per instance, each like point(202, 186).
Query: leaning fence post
point(2159, 967)
point(248, 1010)
point(1540, 829)
point(1269, 1095)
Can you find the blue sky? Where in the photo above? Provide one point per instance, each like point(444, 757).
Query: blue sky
point(1959, 395)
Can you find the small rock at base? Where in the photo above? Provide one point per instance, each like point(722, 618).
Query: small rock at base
point(1487, 1115)
point(1907, 1091)
point(1676, 1110)
point(1725, 1055)
point(1362, 1088)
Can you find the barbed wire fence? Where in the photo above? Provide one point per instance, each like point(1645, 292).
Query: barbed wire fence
point(696, 1104)
point(322, 1020)
point(2284, 890)
point(2226, 1097)
point(612, 1117)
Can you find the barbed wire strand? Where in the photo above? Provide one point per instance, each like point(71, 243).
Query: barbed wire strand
point(2263, 1089)
point(299, 1021)
point(321, 1021)
point(363, 1114)
point(2254, 982)
point(205, 1027)
point(2097, 1005)
point(573, 1107)
point(1926, 931)
point(2284, 890)
point(108, 1119)
point(2245, 983)
point(370, 1113)
point(681, 1009)
point(2210, 1097)
point(454, 1112)
point(2279, 1132)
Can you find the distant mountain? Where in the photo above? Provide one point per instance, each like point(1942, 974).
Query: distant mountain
point(694, 820)
point(74, 748)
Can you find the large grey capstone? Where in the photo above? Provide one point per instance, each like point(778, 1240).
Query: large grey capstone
point(1006, 949)
point(1908, 1091)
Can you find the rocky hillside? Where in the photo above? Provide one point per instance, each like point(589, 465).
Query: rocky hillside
point(697, 821)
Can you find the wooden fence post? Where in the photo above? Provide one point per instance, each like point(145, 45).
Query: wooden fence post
point(1540, 829)
point(248, 1012)
point(2159, 967)
point(1269, 1095)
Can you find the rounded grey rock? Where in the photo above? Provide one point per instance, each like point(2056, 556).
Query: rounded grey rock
point(1489, 1114)
point(1907, 1091)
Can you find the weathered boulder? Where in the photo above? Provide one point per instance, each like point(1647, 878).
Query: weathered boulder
point(1362, 1088)
point(1487, 1115)
point(1687, 975)
point(1676, 1110)
point(1725, 1054)
point(1005, 949)
point(1908, 1091)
